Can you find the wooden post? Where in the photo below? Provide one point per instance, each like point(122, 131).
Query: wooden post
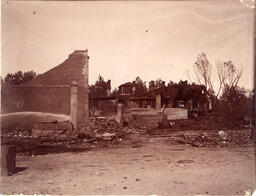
point(8, 160)
point(119, 117)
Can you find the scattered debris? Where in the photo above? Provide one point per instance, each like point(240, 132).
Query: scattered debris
point(185, 161)
point(136, 146)
point(106, 136)
point(223, 135)
point(178, 149)
point(180, 165)
point(213, 139)
point(105, 130)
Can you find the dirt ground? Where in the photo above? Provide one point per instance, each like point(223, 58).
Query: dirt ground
point(140, 165)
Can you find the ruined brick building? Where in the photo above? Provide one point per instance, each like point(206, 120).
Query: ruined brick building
point(52, 91)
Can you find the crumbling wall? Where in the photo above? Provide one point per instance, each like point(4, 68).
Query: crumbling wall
point(146, 121)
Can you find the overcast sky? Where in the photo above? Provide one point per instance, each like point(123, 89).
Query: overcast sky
point(156, 39)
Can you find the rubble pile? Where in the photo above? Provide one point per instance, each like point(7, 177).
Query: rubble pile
point(200, 123)
point(15, 136)
point(102, 124)
point(59, 136)
point(214, 139)
point(141, 123)
point(106, 131)
point(41, 133)
point(100, 128)
point(23, 133)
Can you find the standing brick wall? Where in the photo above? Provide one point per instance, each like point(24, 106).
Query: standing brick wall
point(52, 99)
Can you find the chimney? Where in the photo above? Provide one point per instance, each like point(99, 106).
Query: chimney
point(109, 84)
point(108, 88)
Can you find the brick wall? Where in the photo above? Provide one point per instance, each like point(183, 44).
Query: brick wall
point(52, 99)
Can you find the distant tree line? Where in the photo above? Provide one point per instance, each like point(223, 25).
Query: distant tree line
point(100, 88)
point(18, 78)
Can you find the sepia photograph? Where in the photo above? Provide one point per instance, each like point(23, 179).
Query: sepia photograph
point(140, 98)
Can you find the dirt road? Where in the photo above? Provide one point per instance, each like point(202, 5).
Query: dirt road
point(142, 165)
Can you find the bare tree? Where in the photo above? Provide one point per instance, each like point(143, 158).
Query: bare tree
point(227, 73)
point(203, 72)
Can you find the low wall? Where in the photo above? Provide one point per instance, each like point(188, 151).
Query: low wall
point(176, 113)
point(50, 99)
point(171, 113)
point(144, 111)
